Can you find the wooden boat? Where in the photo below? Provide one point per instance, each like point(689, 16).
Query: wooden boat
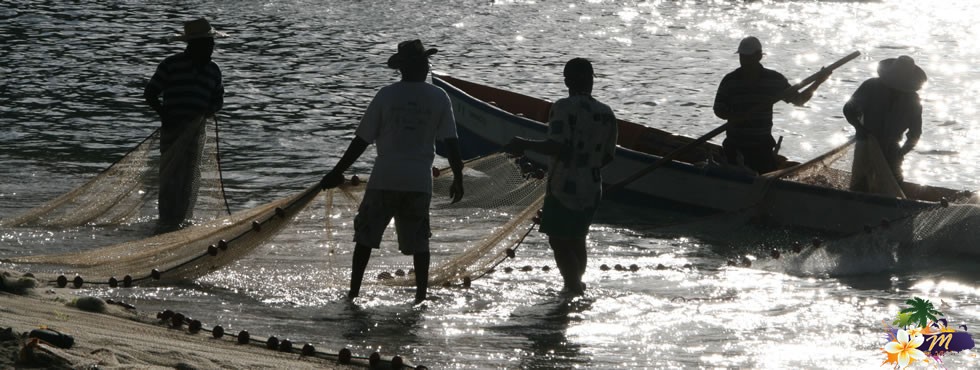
point(488, 117)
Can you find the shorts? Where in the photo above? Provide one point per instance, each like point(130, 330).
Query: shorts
point(410, 210)
point(559, 221)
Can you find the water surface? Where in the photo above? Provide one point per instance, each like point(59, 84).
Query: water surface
point(299, 74)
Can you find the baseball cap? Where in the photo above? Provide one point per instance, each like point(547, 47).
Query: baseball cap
point(749, 45)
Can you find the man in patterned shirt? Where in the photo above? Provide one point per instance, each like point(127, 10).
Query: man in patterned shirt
point(190, 84)
point(581, 140)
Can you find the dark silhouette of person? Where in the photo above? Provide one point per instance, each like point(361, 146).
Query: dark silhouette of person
point(745, 98)
point(582, 134)
point(885, 108)
point(190, 86)
point(404, 120)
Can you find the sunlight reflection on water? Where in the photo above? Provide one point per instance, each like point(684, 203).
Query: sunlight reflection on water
point(299, 75)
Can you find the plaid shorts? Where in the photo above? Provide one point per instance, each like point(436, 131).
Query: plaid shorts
point(410, 210)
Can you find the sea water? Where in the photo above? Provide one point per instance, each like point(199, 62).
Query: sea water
point(298, 75)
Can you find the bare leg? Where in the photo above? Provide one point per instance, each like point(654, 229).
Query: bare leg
point(421, 261)
point(581, 256)
point(362, 254)
point(568, 263)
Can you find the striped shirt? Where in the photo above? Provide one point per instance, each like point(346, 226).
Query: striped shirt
point(738, 94)
point(188, 90)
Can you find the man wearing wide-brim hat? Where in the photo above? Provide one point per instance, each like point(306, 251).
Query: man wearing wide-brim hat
point(405, 119)
point(884, 108)
point(190, 86)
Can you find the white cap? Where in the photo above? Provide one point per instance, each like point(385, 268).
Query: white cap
point(749, 45)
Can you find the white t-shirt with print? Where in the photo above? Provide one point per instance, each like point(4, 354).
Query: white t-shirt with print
point(587, 131)
point(405, 119)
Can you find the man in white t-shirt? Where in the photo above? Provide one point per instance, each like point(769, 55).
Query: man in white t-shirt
point(405, 119)
point(582, 136)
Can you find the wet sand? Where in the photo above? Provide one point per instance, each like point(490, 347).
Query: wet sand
point(121, 337)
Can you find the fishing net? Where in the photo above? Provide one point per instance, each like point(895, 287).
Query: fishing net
point(176, 256)
point(503, 197)
point(819, 171)
point(937, 236)
point(941, 222)
point(869, 170)
point(471, 236)
point(127, 191)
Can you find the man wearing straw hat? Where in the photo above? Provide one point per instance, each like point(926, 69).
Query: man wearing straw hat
point(405, 119)
point(881, 110)
point(191, 89)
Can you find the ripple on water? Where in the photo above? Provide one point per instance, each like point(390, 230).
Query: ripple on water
point(299, 75)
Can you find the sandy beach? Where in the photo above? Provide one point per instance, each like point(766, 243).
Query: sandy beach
point(124, 338)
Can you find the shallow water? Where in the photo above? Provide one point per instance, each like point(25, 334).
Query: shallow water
point(299, 73)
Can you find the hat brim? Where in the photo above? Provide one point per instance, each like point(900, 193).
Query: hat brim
point(909, 80)
point(211, 34)
point(395, 61)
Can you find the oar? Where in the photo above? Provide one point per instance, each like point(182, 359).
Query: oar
point(701, 140)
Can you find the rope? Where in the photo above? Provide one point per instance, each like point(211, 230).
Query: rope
point(510, 253)
point(344, 356)
point(217, 157)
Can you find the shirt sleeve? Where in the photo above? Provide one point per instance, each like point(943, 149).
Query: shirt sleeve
point(370, 126)
point(779, 86)
point(157, 82)
point(218, 96)
point(722, 105)
point(783, 82)
point(447, 120)
point(915, 127)
point(557, 126)
point(854, 108)
point(612, 139)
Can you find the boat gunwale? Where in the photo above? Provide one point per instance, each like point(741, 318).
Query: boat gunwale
point(439, 80)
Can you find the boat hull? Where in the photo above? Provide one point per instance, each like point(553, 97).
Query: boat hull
point(484, 128)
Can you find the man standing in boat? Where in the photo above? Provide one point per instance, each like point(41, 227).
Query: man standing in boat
point(581, 139)
point(405, 119)
point(745, 98)
point(190, 85)
point(881, 110)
